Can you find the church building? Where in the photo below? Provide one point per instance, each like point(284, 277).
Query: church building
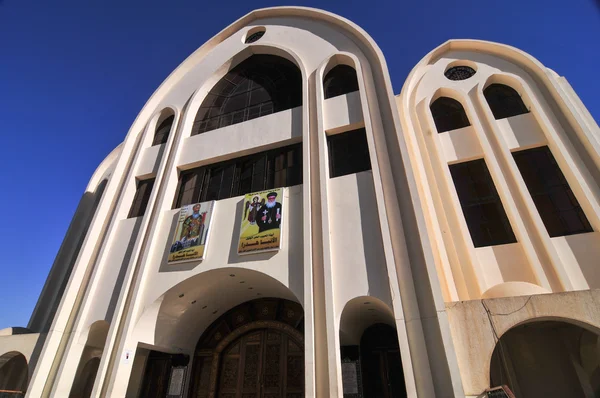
point(278, 223)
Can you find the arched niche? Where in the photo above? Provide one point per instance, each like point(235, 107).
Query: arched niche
point(85, 376)
point(369, 349)
point(14, 372)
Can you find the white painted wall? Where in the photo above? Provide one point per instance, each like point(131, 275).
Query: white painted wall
point(343, 111)
point(275, 130)
point(358, 264)
point(149, 162)
point(23, 343)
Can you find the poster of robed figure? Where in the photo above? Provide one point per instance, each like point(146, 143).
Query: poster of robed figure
point(261, 222)
point(191, 234)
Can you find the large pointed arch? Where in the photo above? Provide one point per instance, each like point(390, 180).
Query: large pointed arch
point(260, 85)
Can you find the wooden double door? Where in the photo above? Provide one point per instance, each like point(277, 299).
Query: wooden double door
point(264, 363)
point(381, 364)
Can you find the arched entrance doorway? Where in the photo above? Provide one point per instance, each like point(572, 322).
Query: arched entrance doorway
point(254, 350)
point(370, 352)
point(14, 372)
point(196, 320)
point(548, 359)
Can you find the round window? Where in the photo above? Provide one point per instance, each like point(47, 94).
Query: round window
point(459, 72)
point(255, 36)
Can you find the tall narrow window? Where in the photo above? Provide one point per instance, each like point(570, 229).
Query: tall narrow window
point(259, 86)
point(281, 167)
point(481, 205)
point(340, 80)
point(162, 132)
point(504, 101)
point(142, 195)
point(348, 153)
point(559, 209)
point(448, 114)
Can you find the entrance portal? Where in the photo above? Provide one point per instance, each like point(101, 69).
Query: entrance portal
point(254, 350)
point(262, 363)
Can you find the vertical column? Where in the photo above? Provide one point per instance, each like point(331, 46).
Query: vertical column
point(311, 317)
point(428, 356)
point(327, 374)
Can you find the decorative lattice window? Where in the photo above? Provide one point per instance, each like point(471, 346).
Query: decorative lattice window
point(254, 37)
point(459, 72)
point(260, 85)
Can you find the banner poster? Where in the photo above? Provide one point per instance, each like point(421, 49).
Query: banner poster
point(191, 235)
point(262, 216)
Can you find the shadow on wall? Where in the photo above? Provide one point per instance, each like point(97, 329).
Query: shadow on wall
point(123, 269)
point(377, 277)
point(294, 229)
point(297, 124)
point(586, 250)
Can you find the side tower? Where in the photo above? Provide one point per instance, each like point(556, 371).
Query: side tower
point(507, 163)
point(295, 107)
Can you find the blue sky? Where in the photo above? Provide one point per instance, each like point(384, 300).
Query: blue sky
point(74, 75)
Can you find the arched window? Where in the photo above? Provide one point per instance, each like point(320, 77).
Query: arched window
point(259, 86)
point(340, 80)
point(162, 132)
point(448, 114)
point(504, 101)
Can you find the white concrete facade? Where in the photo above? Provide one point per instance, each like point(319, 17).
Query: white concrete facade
point(389, 245)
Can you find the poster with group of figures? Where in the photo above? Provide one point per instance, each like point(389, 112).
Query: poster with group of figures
point(260, 226)
point(191, 235)
point(262, 215)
